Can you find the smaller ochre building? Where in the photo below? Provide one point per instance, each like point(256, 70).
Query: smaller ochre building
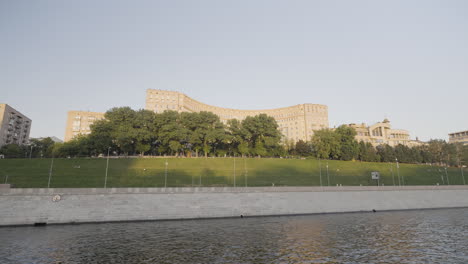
point(381, 133)
point(79, 122)
point(14, 126)
point(459, 137)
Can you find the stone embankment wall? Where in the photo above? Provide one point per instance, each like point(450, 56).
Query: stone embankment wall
point(53, 206)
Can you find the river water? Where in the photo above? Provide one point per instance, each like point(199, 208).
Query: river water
point(425, 236)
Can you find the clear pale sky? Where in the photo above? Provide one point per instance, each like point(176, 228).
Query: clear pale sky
point(366, 60)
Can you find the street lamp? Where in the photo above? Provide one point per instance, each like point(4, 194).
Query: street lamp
point(328, 176)
point(398, 173)
point(320, 172)
point(50, 172)
point(461, 170)
point(30, 154)
point(234, 171)
point(446, 175)
point(463, 177)
point(107, 167)
point(165, 175)
point(245, 172)
point(393, 175)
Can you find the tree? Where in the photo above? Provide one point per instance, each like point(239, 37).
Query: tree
point(260, 149)
point(41, 147)
point(403, 153)
point(122, 133)
point(175, 146)
point(77, 147)
point(349, 146)
point(302, 148)
point(235, 135)
point(144, 130)
point(100, 137)
point(261, 130)
point(13, 151)
point(367, 152)
point(170, 130)
point(243, 148)
point(326, 144)
point(386, 153)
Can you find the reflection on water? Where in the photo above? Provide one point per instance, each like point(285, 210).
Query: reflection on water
point(431, 236)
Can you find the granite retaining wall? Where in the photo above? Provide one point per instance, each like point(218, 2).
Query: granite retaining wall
point(20, 206)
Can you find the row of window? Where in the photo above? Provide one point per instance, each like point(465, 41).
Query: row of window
point(90, 118)
point(462, 134)
point(162, 96)
point(168, 107)
point(234, 113)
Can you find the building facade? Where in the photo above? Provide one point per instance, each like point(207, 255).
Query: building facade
point(381, 133)
point(14, 126)
point(459, 137)
point(79, 122)
point(295, 122)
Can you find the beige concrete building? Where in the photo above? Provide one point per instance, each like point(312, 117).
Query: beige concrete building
point(14, 126)
point(295, 122)
point(79, 122)
point(459, 137)
point(381, 133)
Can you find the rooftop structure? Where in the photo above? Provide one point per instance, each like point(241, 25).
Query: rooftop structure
point(381, 133)
point(459, 137)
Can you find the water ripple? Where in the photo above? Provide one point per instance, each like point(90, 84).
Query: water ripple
point(432, 236)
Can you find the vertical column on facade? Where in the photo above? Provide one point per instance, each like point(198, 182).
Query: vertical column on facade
point(305, 124)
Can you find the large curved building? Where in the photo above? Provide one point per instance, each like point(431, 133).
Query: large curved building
point(295, 122)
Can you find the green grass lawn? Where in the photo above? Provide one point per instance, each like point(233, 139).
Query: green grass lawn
point(185, 172)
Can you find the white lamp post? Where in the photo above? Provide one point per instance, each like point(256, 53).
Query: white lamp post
point(320, 172)
point(50, 172)
point(107, 167)
point(398, 173)
point(165, 175)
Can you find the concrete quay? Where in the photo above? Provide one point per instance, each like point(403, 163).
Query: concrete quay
point(27, 206)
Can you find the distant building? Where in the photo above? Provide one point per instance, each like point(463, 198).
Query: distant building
point(295, 122)
point(459, 137)
point(381, 133)
point(79, 122)
point(54, 139)
point(14, 126)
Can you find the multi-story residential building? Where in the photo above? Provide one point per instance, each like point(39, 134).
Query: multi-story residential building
point(79, 122)
point(14, 126)
point(459, 137)
point(295, 122)
point(381, 133)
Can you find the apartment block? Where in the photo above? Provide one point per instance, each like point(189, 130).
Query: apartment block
point(295, 122)
point(459, 137)
point(14, 126)
point(79, 122)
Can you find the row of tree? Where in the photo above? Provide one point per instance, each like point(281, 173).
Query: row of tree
point(340, 144)
point(128, 132)
point(37, 148)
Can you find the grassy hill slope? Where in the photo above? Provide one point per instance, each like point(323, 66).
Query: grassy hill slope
point(185, 172)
